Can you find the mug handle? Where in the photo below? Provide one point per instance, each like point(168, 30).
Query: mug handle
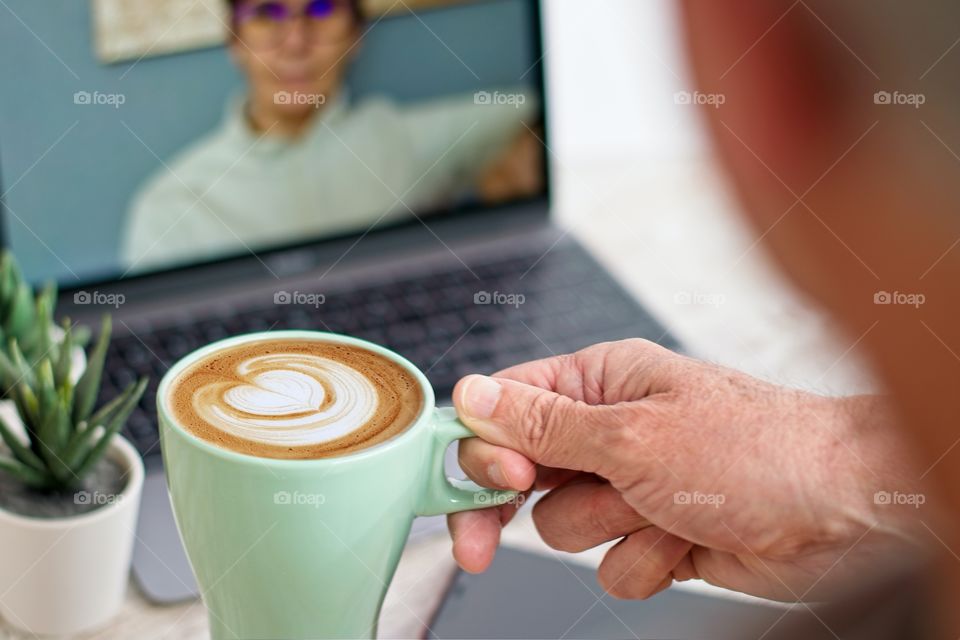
point(449, 495)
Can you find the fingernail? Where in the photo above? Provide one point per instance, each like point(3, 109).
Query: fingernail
point(496, 474)
point(480, 397)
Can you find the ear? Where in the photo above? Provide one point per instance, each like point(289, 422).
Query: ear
point(762, 57)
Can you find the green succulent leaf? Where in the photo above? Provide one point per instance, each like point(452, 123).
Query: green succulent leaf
point(22, 315)
point(81, 336)
point(23, 473)
point(25, 372)
point(9, 374)
point(77, 446)
point(112, 428)
point(8, 282)
point(66, 425)
point(64, 357)
point(46, 385)
point(5, 258)
point(41, 344)
point(132, 395)
point(18, 449)
point(89, 384)
point(28, 407)
point(46, 437)
point(105, 413)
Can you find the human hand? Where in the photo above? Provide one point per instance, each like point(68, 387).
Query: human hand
point(701, 471)
point(517, 172)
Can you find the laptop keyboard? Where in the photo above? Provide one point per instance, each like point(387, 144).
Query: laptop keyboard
point(466, 320)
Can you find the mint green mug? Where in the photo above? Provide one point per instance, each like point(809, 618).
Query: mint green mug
point(307, 548)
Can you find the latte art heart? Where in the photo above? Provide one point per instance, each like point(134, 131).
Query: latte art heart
point(295, 398)
point(277, 393)
point(289, 399)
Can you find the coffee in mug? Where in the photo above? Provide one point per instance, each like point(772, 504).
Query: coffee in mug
point(298, 399)
point(296, 462)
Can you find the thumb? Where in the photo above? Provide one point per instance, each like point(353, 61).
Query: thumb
point(550, 429)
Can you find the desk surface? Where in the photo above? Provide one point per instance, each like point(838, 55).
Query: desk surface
point(662, 231)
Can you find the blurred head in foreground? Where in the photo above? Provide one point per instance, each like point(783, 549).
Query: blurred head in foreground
point(839, 129)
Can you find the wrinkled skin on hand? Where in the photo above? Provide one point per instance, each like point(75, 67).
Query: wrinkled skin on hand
point(699, 471)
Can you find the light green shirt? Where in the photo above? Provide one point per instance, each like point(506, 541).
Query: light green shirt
point(357, 164)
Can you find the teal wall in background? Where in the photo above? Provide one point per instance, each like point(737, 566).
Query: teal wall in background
point(63, 216)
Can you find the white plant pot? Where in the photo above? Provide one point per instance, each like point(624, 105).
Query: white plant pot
point(69, 575)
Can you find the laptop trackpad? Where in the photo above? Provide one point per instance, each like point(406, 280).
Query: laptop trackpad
point(160, 565)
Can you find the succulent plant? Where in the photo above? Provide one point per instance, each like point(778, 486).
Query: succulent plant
point(65, 437)
point(28, 318)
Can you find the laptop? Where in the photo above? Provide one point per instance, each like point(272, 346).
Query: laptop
point(509, 600)
point(102, 139)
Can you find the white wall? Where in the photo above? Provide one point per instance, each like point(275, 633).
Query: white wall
point(636, 183)
point(614, 66)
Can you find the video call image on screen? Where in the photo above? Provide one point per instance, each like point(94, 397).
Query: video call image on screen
point(315, 118)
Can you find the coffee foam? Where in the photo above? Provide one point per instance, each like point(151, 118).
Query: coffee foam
point(291, 398)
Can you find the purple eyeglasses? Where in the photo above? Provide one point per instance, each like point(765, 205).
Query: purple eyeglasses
point(266, 23)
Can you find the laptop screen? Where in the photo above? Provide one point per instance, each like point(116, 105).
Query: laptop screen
point(137, 137)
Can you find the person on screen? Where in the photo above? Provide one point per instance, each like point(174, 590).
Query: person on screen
point(296, 158)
